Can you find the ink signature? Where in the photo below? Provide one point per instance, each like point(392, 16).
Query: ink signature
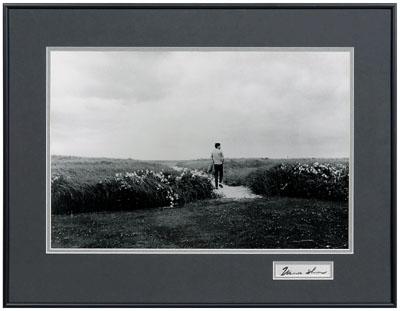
point(309, 271)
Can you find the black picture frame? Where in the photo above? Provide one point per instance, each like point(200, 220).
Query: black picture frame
point(24, 258)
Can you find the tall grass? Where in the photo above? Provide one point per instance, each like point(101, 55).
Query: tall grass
point(237, 171)
point(83, 170)
point(100, 184)
point(318, 180)
point(129, 191)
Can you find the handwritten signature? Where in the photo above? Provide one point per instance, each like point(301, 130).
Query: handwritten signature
point(309, 271)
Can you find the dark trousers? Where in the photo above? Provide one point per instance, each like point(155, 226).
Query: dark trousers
point(218, 173)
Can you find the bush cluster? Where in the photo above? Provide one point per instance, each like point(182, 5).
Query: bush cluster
point(129, 191)
point(321, 181)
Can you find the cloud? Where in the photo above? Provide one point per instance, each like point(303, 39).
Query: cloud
point(175, 105)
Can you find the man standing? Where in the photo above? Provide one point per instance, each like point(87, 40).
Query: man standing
point(218, 160)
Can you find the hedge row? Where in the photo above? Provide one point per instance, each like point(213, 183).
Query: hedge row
point(129, 191)
point(321, 181)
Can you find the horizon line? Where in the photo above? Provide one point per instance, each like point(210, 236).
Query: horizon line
point(198, 159)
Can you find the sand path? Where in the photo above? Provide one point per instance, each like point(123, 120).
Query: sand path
point(236, 192)
point(229, 192)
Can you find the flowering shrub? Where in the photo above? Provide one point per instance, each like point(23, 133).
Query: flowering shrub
point(322, 181)
point(130, 190)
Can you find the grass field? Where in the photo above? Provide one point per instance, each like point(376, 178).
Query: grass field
point(167, 208)
point(237, 170)
point(91, 170)
point(220, 223)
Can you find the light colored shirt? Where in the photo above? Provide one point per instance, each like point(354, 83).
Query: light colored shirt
point(217, 156)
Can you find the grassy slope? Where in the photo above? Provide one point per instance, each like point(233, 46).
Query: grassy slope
point(236, 170)
point(92, 170)
point(260, 223)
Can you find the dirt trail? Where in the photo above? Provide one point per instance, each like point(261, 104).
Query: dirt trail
point(236, 192)
point(229, 192)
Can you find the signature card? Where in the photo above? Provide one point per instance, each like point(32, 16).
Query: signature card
point(302, 270)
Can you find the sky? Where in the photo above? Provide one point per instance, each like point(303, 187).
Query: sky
point(173, 105)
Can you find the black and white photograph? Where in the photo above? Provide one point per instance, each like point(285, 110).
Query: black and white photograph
point(204, 150)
